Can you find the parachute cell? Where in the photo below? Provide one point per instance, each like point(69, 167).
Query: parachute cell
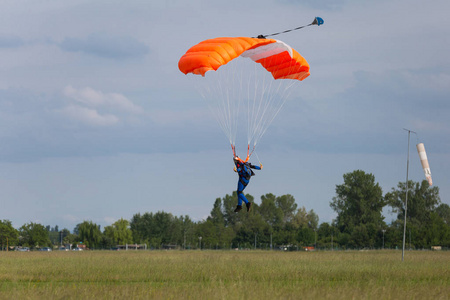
point(275, 56)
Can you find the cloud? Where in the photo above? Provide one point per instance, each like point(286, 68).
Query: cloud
point(109, 220)
point(108, 46)
point(10, 42)
point(323, 5)
point(93, 98)
point(88, 116)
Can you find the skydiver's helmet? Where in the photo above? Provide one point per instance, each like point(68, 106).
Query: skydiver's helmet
point(237, 159)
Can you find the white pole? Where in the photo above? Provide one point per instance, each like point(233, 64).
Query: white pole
point(406, 197)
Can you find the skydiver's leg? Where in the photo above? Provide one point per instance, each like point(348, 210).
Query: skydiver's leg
point(241, 196)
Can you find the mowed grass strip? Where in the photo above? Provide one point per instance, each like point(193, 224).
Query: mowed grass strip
point(225, 275)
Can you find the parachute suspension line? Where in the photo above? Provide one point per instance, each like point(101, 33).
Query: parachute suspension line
point(263, 108)
point(264, 100)
point(228, 111)
point(257, 103)
point(255, 106)
point(237, 95)
point(257, 157)
point(273, 117)
point(317, 21)
point(283, 96)
point(204, 91)
point(270, 101)
point(218, 100)
point(222, 99)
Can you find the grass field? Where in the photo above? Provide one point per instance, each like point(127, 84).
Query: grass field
point(224, 275)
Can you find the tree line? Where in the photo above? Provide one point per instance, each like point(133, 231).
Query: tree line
point(275, 222)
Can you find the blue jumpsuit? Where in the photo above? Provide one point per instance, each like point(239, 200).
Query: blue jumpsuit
point(245, 173)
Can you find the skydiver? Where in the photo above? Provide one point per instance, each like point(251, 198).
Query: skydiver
point(244, 170)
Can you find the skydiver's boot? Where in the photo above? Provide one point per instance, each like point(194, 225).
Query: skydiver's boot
point(249, 206)
point(238, 208)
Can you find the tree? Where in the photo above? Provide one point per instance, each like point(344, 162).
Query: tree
point(422, 213)
point(327, 235)
point(270, 212)
point(217, 217)
point(223, 235)
point(313, 219)
point(8, 234)
point(68, 238)
point(54, 234)
point(89, 234)
point(159, 228)
point(34, 235)
point(443, 211)
point(422, 200)
point(231, 218)
point(287, 205)
point(359, 201)
point(188, 232)
point(306, 236)
point(302, 218)
point(119, 233)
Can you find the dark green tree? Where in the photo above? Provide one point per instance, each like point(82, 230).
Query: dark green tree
point(89, 234)
point(270, 212)
point(359, 202)
point(161, 228)
point(54, 234)
point(229, 203)
point(303, 218)
point(34, 235)
point(422, 214)
point(306, 236)
point(119, 233)
point(287, 205)
point(188, 228)
point(252, 227)
point(443, 211)
point(8, 234)
point(217, 216)
point(327, 236)
point(223, 234)
point(422, 200)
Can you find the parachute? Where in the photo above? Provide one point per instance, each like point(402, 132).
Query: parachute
point(275, 56)
point(251, 80)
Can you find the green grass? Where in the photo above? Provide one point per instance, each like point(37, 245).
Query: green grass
point(225, 275)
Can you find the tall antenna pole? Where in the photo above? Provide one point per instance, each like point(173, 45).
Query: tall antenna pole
point(406, 197)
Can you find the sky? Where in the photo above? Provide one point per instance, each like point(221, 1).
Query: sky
point(97, 123)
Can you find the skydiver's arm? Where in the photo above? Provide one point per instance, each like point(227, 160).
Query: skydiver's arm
point(256, 167)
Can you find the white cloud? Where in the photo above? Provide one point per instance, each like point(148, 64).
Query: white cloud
point(93, 98)
point(109, 220)
point(88, 116)
point(106, 45)
point(71, 219)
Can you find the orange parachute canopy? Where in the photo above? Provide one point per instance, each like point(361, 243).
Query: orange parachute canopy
point(275, 56)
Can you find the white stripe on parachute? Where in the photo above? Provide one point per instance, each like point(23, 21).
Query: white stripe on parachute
point(267, 51)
